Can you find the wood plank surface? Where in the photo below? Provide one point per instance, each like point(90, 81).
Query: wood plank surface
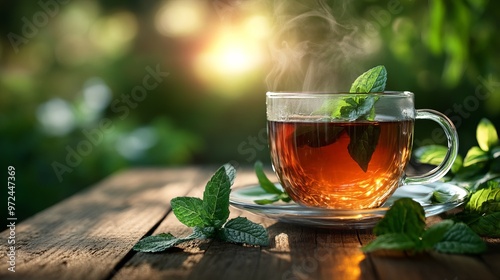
point(90, 236)
point(87, 235)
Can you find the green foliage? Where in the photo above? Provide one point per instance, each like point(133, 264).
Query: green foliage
point(403, 229)
point(479, 173)
point(208, 218)
point(480, 162)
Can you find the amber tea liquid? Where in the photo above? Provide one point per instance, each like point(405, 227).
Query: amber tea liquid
point(351, 165)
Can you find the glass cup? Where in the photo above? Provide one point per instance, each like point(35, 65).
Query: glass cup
point(348, 150)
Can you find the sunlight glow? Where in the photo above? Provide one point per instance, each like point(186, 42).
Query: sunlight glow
point(233, 55)
point(230, 54)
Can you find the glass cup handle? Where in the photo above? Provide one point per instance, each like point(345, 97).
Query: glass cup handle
point(452, 142)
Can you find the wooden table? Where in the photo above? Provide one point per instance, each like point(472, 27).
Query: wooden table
point(90, 236)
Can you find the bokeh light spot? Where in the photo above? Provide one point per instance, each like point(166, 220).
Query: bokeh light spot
point(178, 18)
point(56, 117)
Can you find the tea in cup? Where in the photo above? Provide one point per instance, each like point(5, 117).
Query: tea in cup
point(347, 150)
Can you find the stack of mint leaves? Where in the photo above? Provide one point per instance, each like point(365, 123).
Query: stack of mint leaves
point(208, 218)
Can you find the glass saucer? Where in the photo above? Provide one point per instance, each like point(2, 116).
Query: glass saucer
point(244, 197)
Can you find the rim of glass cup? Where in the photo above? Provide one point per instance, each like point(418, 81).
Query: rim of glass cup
point(310, 94)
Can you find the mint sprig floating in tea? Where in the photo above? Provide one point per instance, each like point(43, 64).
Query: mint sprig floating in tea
point(208, 218)
point(363, 137)
point(403, 229)
point(372, 80)
point(269, 187)
point(479, 173)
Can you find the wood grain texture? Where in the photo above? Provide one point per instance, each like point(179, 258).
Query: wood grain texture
point(87, 235)
point(90, 236)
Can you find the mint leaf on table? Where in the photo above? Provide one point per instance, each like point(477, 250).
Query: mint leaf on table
point(460, 239)
point(208, 218)
point(403, 228)
point(157, 243)
point(391, 241)
point(405, 216)
point(435, 233)
point(269, 187)
point(189, 211)
point(241, 230)
point(216, 195)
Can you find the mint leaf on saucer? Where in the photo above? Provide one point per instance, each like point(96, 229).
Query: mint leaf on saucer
point(264, 182)
point(269, 187)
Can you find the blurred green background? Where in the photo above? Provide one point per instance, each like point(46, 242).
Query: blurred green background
point(88, 87)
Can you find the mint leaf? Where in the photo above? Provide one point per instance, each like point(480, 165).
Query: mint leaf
point(435, 155)
point(486, 225)
point(216, 195)
point(486, 135)
point(164, 241)
point(460, 239)
point(442, 197)
point(268, 187)
point(435, 233)
point(482, 211)
point(364, 140)
point(391, 241)
point(264, 182)
point(202, 233)
point(316, 135)
point(358, 108)
point(267, 201)
point(372, 80)
point(476, 201)
point(157, 243)
point(242, 230)
point(189, 211)
point(475, 155)
point(405, 216)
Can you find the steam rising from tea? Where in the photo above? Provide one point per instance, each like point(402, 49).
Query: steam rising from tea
point(311, 49)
